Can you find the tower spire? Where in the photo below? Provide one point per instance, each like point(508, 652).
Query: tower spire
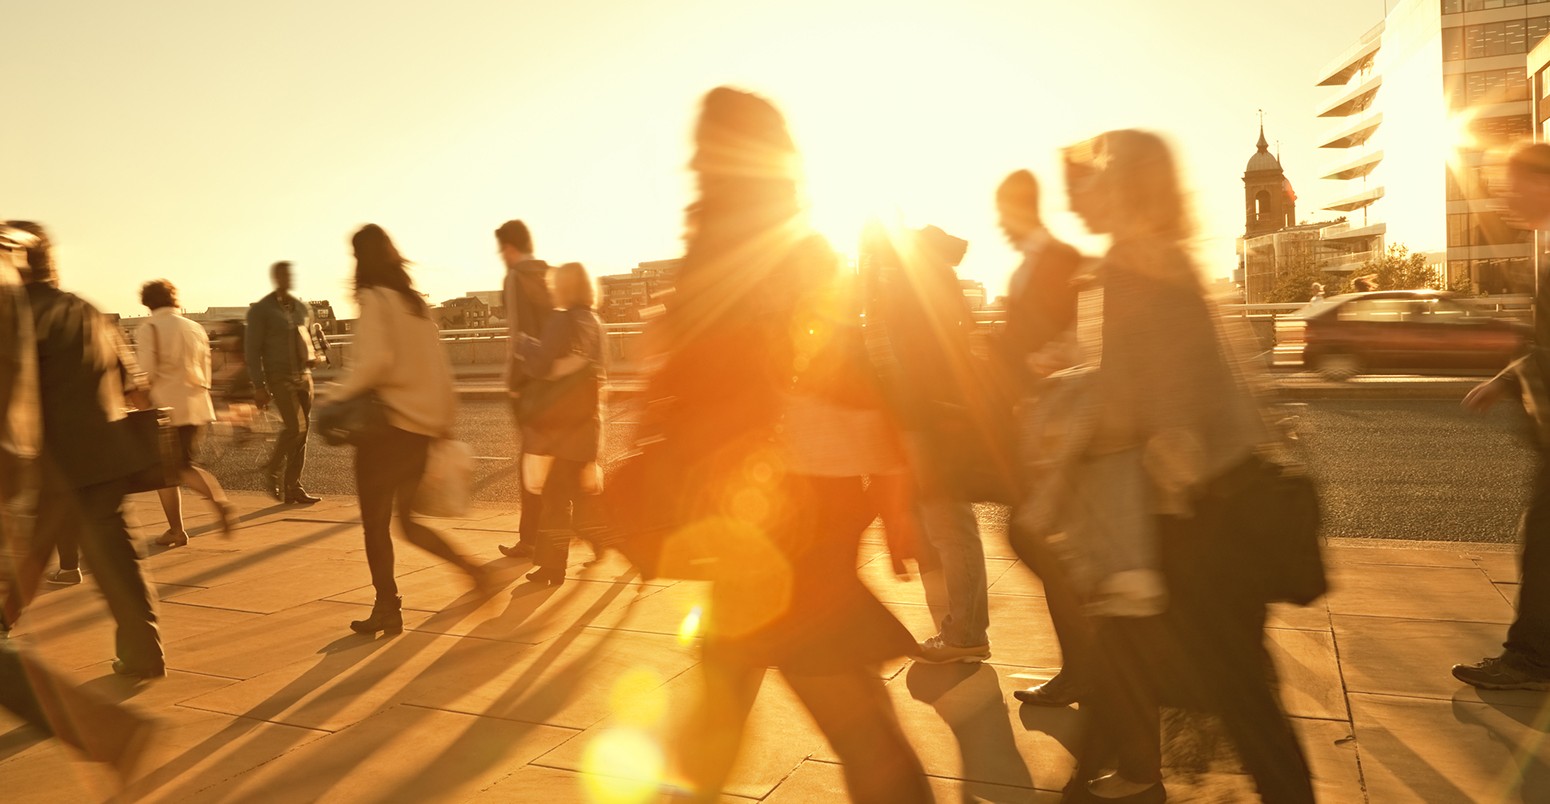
point(1263, 144)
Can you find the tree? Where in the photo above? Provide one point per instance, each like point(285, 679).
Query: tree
point(1294, 283)
point(1398, 269)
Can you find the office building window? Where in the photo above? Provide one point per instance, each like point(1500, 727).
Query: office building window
point(1497, 131)
point(1490, 86)
point(1505, 38)
point(1466, 229)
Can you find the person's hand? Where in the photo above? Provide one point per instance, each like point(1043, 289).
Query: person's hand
point(1484, 396)
point(261, 397)
point(139, 399)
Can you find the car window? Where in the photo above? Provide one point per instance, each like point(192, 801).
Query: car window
point(1377, 310)
point(1446, 311)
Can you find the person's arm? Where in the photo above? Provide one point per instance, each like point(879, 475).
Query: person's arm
point(539, 354)
point(372, 356)
point(145, 346)
point(253, 343)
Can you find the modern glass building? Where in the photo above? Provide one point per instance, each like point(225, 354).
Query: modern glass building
point(1422, 106)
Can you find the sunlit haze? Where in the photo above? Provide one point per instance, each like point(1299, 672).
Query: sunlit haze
point(202, 141)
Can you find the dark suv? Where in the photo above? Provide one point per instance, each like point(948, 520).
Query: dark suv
point(1395, 330)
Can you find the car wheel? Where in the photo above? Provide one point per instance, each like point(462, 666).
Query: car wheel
point(1339, 366)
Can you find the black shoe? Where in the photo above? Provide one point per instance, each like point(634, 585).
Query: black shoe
point(272, 484)
point(122, 669)
point(387, 616)
point(299, 496)
point(1061, 690)
point(518, 550)
point(550, 576)
point(1505, 672)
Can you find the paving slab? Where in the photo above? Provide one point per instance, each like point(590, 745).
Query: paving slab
point(1412, 658)
point(779, 736)
point(1416, 593)
point(405, 753)
point(1426, 750)
point(78, 641)
point(280, 589)
point(260, 643)
point(573, 681)
point(1500, 567)
point(529, 613)
point(1313, 617)
point(816, 780)
point(1309, 670)
point(554, 786)
point(1346, 553)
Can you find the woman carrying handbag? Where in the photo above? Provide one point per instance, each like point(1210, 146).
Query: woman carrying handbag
point(399, 358)
point(561, 425)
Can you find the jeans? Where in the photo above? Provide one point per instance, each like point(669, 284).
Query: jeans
point(92, 514)
point(292, 399)
point(1529, 635)
point(952, 530)
point(388, 470)
point(532, 505)
point(568, 511)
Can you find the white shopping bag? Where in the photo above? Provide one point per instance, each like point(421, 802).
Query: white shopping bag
point(447, 489)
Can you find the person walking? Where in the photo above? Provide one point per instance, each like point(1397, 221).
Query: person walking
point(765, 396)
point(561, 425)
point(918, 330)
point(87, 456)
point(279, 359)
point(1168, 444)
point(175, 353)
point(1041, 308)
point(1524, 663)
point(527, 311)
point(399, 358)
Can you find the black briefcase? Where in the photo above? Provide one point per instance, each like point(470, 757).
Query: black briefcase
point(155, 442)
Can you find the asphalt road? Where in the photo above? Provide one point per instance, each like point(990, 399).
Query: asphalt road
point(1391, 469)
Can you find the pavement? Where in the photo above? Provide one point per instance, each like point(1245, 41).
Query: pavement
point(566, 694)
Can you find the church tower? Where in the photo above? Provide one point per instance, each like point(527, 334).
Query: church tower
point(1269, 204)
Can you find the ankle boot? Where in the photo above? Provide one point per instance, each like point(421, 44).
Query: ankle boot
point(387, 616)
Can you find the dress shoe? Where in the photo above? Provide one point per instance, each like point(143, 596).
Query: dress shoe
point(1062, 690)
point(547, 576)
point(518, 550)
point(226, 515)
point(172, 539)
point(1116, 789)
point(65, 577)
point(299, 496)
point(123, 669)
point(387, 616)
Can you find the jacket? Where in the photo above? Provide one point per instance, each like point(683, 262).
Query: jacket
point(572, 341)
point(83, 370)
point(399, 355)
point(276, 341)
point(527, 310)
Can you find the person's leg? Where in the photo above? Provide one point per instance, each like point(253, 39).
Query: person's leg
point(1121, 721)
point(1073, 628)
point(854, 713)
point(709, 738)
point(111, 552)
point(283, 398)
point(374, 486)
point(57, 514)
point(953, 532)
point(1528, 638)
point(562, 488)
point(410, 452)
point(172, 507)
point(296, 460)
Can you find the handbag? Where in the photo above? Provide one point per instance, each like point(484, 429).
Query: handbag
point(155, 438)
point(1280, 518)
point(353, 421)
point(561, 402)
point(447, 487)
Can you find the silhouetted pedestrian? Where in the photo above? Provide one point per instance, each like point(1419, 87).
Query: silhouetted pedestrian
point(175, 353)
point(280, 357)
point(526, 296)
point(398, 357)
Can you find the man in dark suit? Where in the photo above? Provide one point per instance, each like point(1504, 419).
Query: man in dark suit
point(280, 356)
point(87, 456)
point(527, 308)
point(1041, 307)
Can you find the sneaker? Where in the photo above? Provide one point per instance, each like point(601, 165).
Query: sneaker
point(936, 651)
point(1500, 673)
point(65, 577)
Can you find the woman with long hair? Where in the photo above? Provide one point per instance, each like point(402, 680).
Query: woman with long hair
point(174, 353)
point(762, 390)
point(561, 425)
point(397, 355)
point(1172, 396)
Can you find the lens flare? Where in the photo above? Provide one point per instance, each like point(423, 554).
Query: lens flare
point(689, 629)
point(637, 698)
point(623, 766)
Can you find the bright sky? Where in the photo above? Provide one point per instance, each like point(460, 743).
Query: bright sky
point(202, 141)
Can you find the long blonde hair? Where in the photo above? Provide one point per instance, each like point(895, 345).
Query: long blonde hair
point(1141, 180)
point(571, 286)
